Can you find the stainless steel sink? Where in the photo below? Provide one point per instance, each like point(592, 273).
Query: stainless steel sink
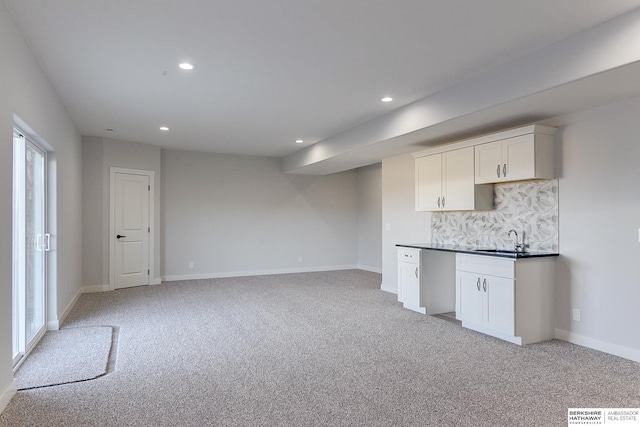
point(500, 251)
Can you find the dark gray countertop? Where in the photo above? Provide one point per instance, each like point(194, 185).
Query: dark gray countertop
point(476, 250)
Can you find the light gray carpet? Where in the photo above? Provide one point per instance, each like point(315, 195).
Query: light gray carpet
point(316, 349)
point(66, 356)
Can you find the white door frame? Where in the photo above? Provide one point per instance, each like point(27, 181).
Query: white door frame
point(20, 340)
point(112, 197)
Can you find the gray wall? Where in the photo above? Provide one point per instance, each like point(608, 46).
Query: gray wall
point(26, 91)
point(400, 222)
point(599, 220)
point(241, 215)
point(370, 218)
point(599, 212)
point(98, 155)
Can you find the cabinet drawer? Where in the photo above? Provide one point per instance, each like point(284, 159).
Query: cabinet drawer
point(409, 255)
point(481, 264)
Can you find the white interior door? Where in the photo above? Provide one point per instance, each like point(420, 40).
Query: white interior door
point(131, 229)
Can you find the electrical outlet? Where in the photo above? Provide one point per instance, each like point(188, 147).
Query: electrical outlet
point(299, 259)
point(576, 314)
point(387, 227)
point(190, 264)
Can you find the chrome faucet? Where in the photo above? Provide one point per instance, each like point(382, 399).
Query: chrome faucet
point(517, 247)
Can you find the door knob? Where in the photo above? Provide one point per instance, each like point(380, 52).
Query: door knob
point(119, 236)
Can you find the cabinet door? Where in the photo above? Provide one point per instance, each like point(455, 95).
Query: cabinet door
point(499, 304)
point(458, 191)
point(409, 283)
point(469, 297)
point(518, 154)
point(429, 183)
point(489, 165)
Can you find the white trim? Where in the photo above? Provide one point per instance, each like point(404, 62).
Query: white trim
point(54, 325)
point(491, 332)
point(509, 133)
point(112, 176)
point(8, 394)
point(220, 275)
point(615, 349)
point(369, 268)
point(156, 281)
point(387, 288)
point(95, 288)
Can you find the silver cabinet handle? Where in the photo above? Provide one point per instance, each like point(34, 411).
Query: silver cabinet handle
point(484, 284)
point(504, 170)
point(438, 201)
point(498, 171)
point(478, 284)
point(417, 273)
point(442, 202)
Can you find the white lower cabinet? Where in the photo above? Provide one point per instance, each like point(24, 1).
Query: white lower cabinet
point(486, 301)
point(425, 280)
point(409, 279)
point(511, 299)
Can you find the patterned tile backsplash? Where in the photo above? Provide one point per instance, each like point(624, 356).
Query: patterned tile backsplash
point(530, 207)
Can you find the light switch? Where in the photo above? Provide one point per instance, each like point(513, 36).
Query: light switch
point(387, 227)
point(638, 235)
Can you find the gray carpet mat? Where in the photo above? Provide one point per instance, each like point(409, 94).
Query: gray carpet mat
point(67, 356)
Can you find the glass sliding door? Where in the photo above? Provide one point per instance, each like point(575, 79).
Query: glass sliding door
point(30, 245)
point(37, 241)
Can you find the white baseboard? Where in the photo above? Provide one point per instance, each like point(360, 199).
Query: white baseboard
point(369, 268)
point(392, 289)
point(95, 288)
point(8, 394)
point(615, 349)
point(54, 325)
point(156, 281)
point(172, 278)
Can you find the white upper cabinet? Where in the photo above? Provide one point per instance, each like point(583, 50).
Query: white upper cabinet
point(458, 176)
point(528, 156)
point(445, 182)
point(429, 183)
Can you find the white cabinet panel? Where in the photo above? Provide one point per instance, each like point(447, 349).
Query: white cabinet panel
point(458, 186)
point(409, 279)
point(469, 297)
point(485, 301)
point(506, 298)
point(428, 183)
point(499, 304)
point(521, 157)
point(488, 159)
point(445, 182)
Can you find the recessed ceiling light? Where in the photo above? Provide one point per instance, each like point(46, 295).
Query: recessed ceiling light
point(386, 99)
point(164, 128)
point(299, 141)
point(186, 66)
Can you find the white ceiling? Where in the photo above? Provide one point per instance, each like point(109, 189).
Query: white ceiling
point(270, 72)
